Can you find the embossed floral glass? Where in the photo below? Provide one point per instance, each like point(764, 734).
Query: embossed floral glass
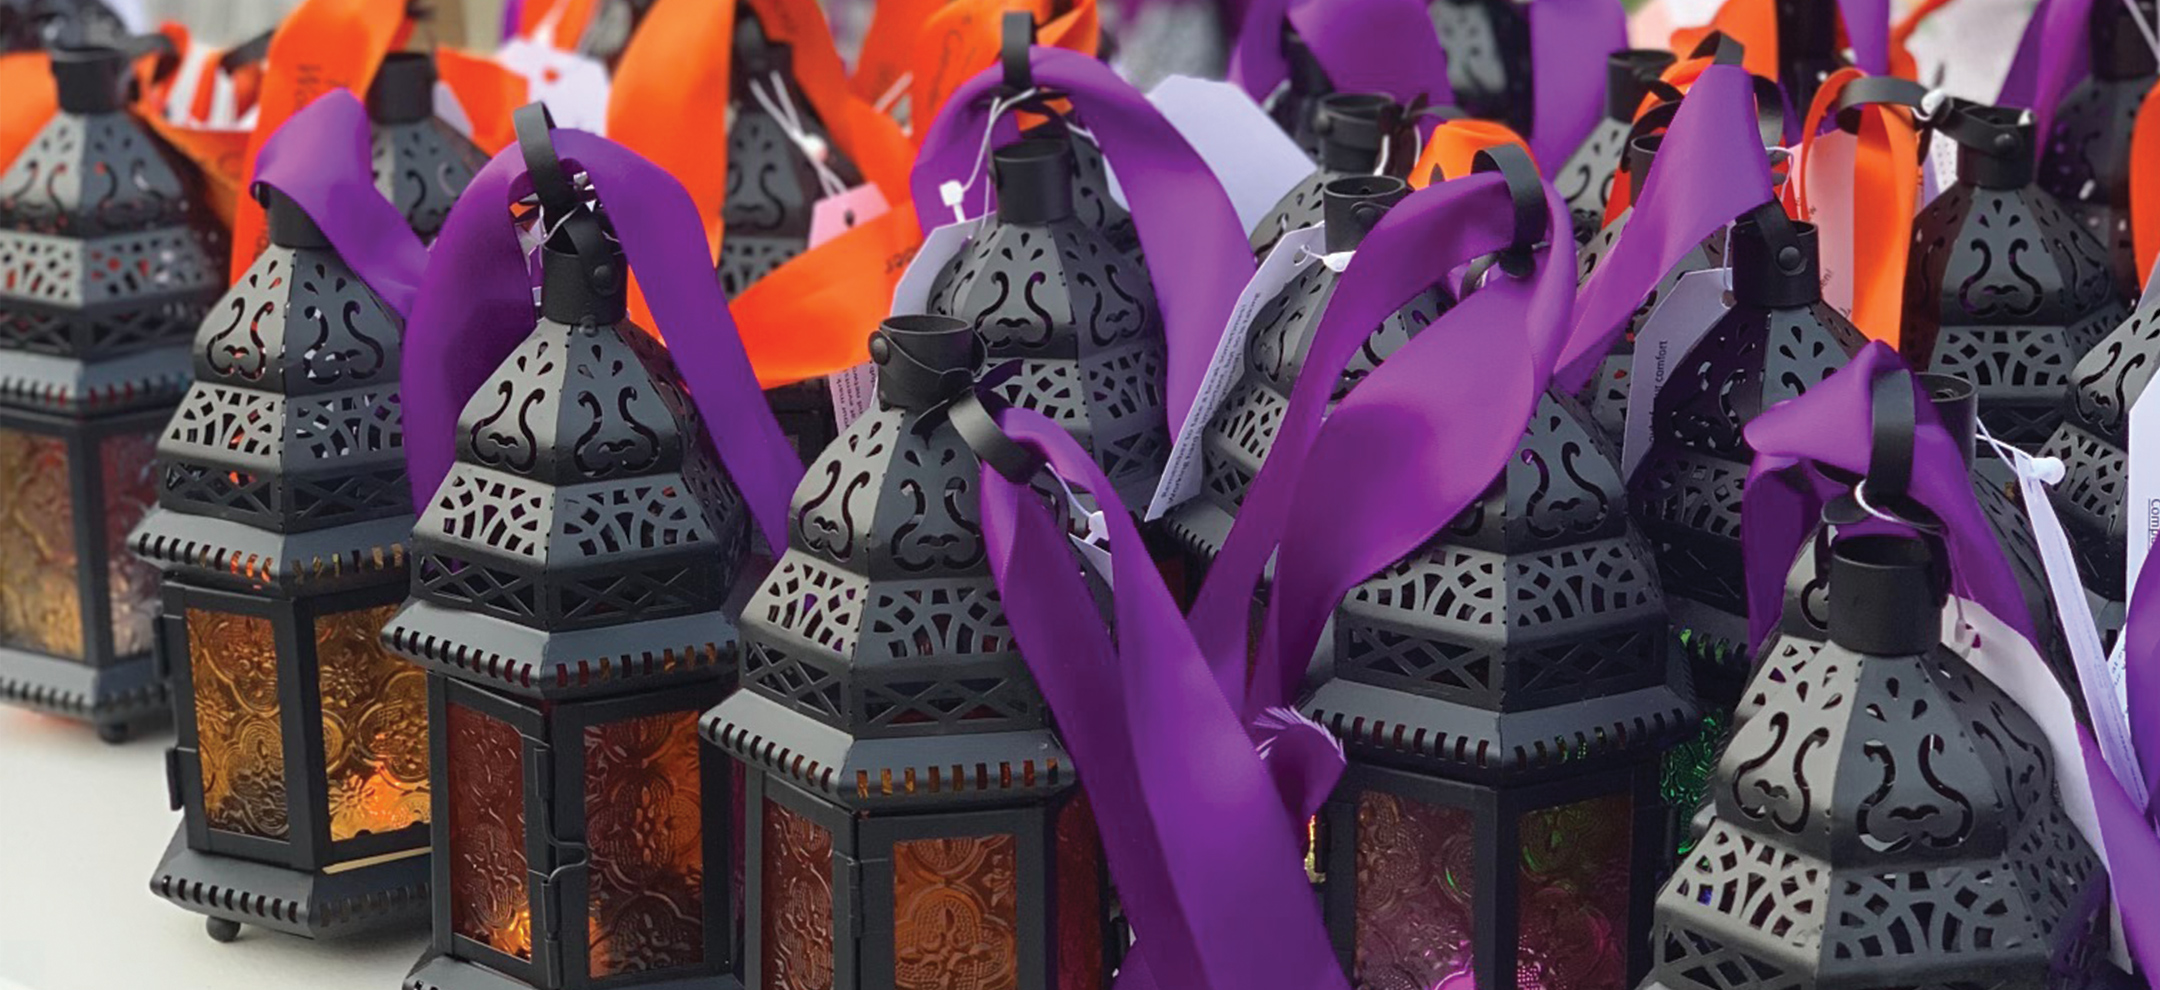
point(101, 283)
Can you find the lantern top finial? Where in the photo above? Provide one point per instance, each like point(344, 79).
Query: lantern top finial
point(91, 79)
point(403, 91)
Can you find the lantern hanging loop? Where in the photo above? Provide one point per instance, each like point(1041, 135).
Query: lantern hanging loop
point(559, 199)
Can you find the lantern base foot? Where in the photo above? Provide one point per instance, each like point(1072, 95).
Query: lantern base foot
point(221, 930)
point(344, 900)
point(441, 972)
point(117, 698)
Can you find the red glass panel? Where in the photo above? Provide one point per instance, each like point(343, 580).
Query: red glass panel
point(488, 899)
point(40, 599)
point(956, 913)
point(1574, 890)
point(797, 925)
point(645, 826)
point(374, 718)
point(1079, 902)
point(128, 463)
point(1415, 875)
point(232, 661)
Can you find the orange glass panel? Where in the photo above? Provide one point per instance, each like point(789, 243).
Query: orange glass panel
point(232, 660)
point(40, 602)
point(1416, 869)
point(486, 777)
point(129, 468)
point(797, 924)
point(374, 715)
point(645, 826)
point(956, 913)
point(1079, 898)
point(1574, 891)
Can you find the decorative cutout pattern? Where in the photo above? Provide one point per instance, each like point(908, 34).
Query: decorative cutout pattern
point(421, 167)
point(233, 662)
point(2094, 439)
point(645, 826)
point(1488, 58)
point(1607, 394)
point(2086, 164)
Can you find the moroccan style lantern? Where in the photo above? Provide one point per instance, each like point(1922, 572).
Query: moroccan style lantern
point(421, 162)
point(2094, 442)
point(1889, 820)
point(569, 583)
point(302, 763)
point(1808, 48)
point(913, 820)
point(2005, 289)
point(1243, 429)
point(772, 181)
point(1307, 82)
point(1606, 394)
point(1352, 130)
point(2086, 162)
point(107, 263)
point(1778, 340)
point(1488, 57)
point(1086, 333)
point(1504, 694)
point(1585, 179)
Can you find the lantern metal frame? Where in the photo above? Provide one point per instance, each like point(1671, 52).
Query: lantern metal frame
point(1488, 52)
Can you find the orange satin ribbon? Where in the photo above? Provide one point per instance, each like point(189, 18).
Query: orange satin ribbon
point(1753, 23)
point(1885, 193)
point(32, 100)
point(887, 61)
point(813, 315)
point(488, 92)
point(1452, 149)
point(964, 38)
point(2145, 182)
point(576, 16)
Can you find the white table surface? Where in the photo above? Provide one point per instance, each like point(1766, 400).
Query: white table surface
point(82, 825)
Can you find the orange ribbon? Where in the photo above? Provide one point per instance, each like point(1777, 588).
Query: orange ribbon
point(888, 52)
point(32, 100)
point(488, 92)
point(2145, 182)
point(1452, 149)
point(813, 315)
point(1885, 193)
point(965, 37)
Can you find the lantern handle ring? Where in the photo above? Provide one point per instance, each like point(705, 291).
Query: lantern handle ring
point(560, 203)
point(974, 416)
point(1526, 192)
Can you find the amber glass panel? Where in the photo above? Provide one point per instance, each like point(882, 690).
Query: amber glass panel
point(40, 602)
point(1079, 898)
point(1574, 890)
point(796, 929)
point(232, 660)
point(128, 462)
point(374, 715)
point(486, 777)
point(956, 913)
point(1415, 874)
point(645, 826)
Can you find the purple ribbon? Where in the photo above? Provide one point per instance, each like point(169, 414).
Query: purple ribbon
point(1867, 33)
point(1197, 254)
point(2065, 54)
point(476, 304)
point(1365, 46)
point(321, 158)
point(1569, 43)
point(1832, 425)
point(1710, 169)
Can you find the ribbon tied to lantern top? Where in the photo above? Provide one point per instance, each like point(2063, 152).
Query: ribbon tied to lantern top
point(322, 159)
point(1196, 250)
point(475, 305)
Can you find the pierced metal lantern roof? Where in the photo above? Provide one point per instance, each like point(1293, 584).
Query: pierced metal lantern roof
point(587, 538)
point(27, 25)
point(1243, 429)
point(2086, 162)
point(1093, 202)
point(1527, 635)
point(1606, 394)
point(1488, 57)
point(1890, 820)
point(1349, 130)
point(421, 163)
point(285, 462)
point(1777, 341)
point(877, 665)
point(107, 261)
point(1086, 332)
point(1585, 179)
point(2094, 442)
point(2005, 289)
point(771, 185)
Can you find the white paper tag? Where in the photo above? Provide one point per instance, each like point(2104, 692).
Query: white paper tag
point(1255, 162)
point(1181, 477)
point(835, 215)
point(574, 87)
point(1941, 170)
point(1681, 319)
point(1095, 546)
point(912, 294)
point(2141, 506)
point(1827, 169)
point(451, 109)
point(854, 391)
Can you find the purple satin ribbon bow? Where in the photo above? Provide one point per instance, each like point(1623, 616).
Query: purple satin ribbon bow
point(1197, 254)
point(321, 158)
point(1365, 46)
point(476, 304)
point(1832, 425)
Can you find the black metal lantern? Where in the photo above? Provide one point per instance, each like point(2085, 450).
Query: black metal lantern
point(2086, 162)
point(569, 588)
point(27, 25)
point(1890, 819)
point(1243, 429)
point(1504, 693)
point(1585, 180)
point(302, 763)
point(771, 183)
point(1307, 81)
point(2094, 442)
point(1086, 333)
point(2005, 289)
point(1488, 57)
point(107, 263)
point(1778, 340)
point(913, 820)
point(1808, 48)
point(1351, 130)
point(607, 35)
point(421, 163)
point(1606, 394)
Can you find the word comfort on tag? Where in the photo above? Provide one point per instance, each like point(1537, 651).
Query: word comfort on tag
point(1679, 321)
